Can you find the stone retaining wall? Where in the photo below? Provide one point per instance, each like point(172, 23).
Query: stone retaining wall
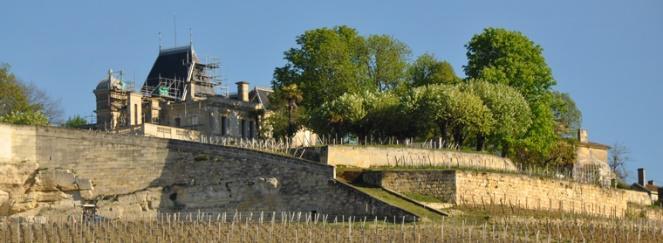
point(483, 188)
point(133, 174)
point(374, 156)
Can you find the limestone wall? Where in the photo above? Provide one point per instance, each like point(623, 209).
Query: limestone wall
point(482, 188)
point(133, 174)
point(437, 184)
point(538, 193)
point(372, 156)
point(153, 130)
point(637, 197)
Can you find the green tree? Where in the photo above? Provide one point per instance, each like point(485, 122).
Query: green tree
point(428, 70)
point(386, 116)
point(567, 115)
point(387, 61)
point(287, 115)
point(327, 63)
point(540, 137)
point(342, 116)
point(293, 96)
point(509, 57)
point(15, 101)
point(454, 112)
point(75, 122)
point(12, 93)
point(509, 109)
point(25, 118)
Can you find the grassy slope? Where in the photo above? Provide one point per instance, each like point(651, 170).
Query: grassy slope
point(393, 200)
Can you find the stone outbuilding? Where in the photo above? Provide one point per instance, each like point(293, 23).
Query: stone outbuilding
point(592, 161)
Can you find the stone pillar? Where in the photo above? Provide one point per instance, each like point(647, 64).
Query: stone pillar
point(135, 110)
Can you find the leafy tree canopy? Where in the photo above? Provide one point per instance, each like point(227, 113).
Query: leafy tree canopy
point(327, 63)
point(567, 115)
point(428, 70)
point(507, 106)
point(21, 104)
point(75, 122)
point(387, 61)
point(12, 94)
point(453, 110)
point(25, 118)
point(501, 56)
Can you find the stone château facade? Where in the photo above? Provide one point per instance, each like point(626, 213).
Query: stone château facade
point(179, 93)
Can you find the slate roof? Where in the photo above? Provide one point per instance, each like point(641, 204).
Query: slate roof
point(172, 63)
point(261, 96)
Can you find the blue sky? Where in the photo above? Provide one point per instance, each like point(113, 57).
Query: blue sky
point(606, 54)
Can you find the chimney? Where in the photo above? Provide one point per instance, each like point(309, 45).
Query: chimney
point(583, 136)
point(641, 176)
point(650, 182)
point(243, 91)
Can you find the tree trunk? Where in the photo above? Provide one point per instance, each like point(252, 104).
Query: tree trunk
point(505, 149)
point(481, 139)
point(443, 131)
point(458, 136)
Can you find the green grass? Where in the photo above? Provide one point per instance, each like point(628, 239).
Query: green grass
point(422, 198)
point(393, 200)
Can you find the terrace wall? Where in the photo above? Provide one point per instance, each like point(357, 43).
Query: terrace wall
point(135, 174)
point(513, 190)
point(376, 156)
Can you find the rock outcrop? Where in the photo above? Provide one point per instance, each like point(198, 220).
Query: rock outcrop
point(27, 190)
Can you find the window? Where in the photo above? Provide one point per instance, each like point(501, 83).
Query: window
point(135, 114)
point(243, 128)
point(178, 122)
point(251, 129)
point(224, 125)
point(194, 120)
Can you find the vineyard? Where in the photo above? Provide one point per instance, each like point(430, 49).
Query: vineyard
point(298, 227)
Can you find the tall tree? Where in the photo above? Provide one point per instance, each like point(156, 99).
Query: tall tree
point(509, 109)
point(15, 101)
point(428, 70)
point(387, 61)
point(509, 57)
point(327, 63)
point(341, 116)
point(455, 112)
point(567, 115)
point(501, 56)
point(12, 93)
point(293, 96)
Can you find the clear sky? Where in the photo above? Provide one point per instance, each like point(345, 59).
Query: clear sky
point(607, 54)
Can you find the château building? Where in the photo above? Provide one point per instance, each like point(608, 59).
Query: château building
point(179, 100)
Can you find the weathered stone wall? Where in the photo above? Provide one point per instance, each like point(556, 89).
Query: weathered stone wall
point(134, 174)
point(637, 197)
point(437, 184)
point(477, 188)
point(372, 156)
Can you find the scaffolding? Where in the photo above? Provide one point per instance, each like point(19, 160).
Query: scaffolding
point(203, 76)
point(167, 88)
